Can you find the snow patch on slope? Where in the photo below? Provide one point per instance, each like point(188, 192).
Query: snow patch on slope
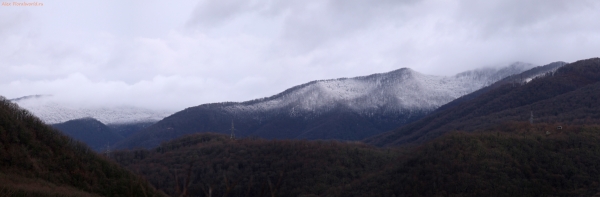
point(528, 79)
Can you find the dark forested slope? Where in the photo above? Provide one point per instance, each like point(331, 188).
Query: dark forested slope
point(199, 164)
point(37, 160)
point(568, 96)
point(515, 159)
point(512, 159)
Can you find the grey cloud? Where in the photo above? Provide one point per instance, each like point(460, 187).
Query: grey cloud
point(511, 16)
point(311, 25)
point(210, 13)
point(236, 50)
point(11, 21)
point(306, 24)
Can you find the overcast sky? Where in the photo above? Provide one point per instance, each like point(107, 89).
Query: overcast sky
point(177, 54)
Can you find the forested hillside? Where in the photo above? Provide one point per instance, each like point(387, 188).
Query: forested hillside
point(201, 164)
point(568, 96)
point(37, 160)
point(514, 159)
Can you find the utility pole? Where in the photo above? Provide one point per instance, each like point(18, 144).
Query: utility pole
point(232, 133)
point(531, 118)
point(107, 150)
point(521, 82)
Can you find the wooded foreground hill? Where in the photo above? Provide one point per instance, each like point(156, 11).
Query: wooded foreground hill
point(512, 159)
point(37, 160)
point(213, 164)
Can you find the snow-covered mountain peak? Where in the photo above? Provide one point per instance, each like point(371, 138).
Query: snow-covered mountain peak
point(402, 89)
point(52, 111)
point(399, 74)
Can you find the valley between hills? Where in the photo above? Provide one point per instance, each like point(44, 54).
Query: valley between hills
point(521, 130)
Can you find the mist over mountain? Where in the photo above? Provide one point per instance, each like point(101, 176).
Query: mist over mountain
point(344, 109)
point(52, 111)
point(567, 96)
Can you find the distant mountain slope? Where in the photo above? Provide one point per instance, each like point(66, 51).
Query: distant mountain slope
point(567, 96)
point(128, 129)
point(37, 160)
point(90, 131)
point(53, 112)
point(346, 108)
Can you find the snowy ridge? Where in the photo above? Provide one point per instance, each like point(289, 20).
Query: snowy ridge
point(398, 90)
point(52, 112)
point(343, 109)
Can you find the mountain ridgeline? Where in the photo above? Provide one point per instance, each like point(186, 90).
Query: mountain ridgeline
point(567, 96)
point(37, 160)
point(342, 109)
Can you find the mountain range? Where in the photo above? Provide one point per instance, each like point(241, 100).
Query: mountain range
point(536, 133)
point(342, 109)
